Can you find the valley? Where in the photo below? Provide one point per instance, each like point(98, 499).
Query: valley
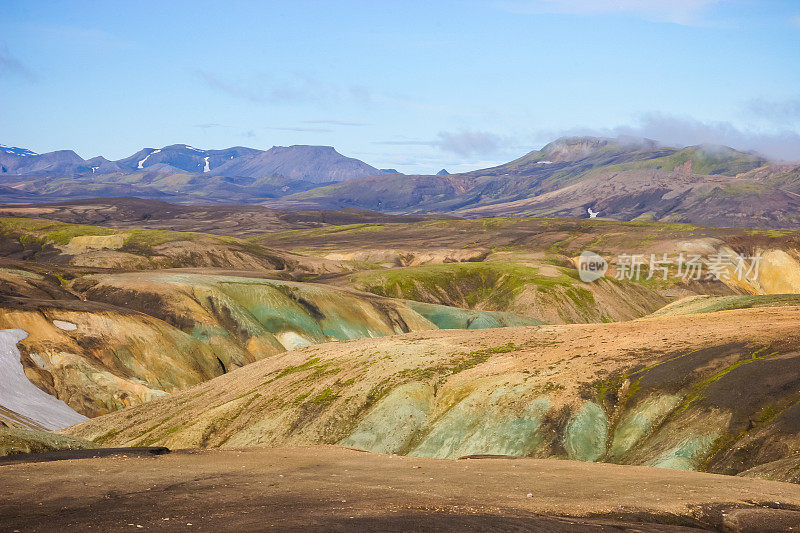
point(429, 339)
point(485, 266)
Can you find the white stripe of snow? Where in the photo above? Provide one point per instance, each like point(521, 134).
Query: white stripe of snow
point(146, 157)
point(66, 326)
point(206, 168)
point(18, 394)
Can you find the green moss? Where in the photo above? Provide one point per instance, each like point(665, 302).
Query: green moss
point(463, 361)
point(703, 161)
point(493, 285)
point(711, 304)
point(325, 397)
point(32, 230)
point(698, 390)
point(105, 437)
point(320, 232)
point(300, 399)
point(299, 368)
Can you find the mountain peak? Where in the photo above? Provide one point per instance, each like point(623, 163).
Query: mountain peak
point(305, 148)
point(573, 148)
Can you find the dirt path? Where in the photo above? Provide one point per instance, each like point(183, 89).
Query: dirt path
point(336, 489)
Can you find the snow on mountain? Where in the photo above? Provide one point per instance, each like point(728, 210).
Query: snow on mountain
point(141, 163)
point(24, 152)
point(18, 394)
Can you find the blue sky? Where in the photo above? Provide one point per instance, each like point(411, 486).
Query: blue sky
point(410, 85)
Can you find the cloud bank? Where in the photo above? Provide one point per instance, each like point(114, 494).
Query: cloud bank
point(680, 131)
point(465, 143)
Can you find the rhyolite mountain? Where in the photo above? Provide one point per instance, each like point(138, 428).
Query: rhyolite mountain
point(623, 179)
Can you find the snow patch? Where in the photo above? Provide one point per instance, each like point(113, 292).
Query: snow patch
point(192, 148)
point(94, 168)
point(545, 162)
point(141, 163)
point(291, 340)
point(18, 394)
point(40, 361)
point(66, 326)
point(206, 168)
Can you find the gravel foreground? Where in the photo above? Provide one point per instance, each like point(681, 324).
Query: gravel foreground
point(328, 488)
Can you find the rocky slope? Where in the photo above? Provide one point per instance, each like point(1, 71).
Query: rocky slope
point(699, 392)
point(46, 241)
point(549, 292)
point(125, 339)
point(528, 265)
point(17, 441)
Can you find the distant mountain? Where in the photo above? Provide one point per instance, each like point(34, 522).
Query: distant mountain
point(177, 173)
point(184, 158)
point(315, 164)
point(389, 171)
point(443, 172)
point(23, 161)
point(621, 179)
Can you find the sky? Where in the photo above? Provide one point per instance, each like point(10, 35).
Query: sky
point(411, 85)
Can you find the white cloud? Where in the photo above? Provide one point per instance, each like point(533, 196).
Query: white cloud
point(671, 130)
point(685, 12)
point(465, 143)
point(470, 143)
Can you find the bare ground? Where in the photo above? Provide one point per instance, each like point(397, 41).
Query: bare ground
point(327, 488)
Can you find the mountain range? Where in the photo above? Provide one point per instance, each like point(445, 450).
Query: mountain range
point(316, 164)
point(623, 179)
